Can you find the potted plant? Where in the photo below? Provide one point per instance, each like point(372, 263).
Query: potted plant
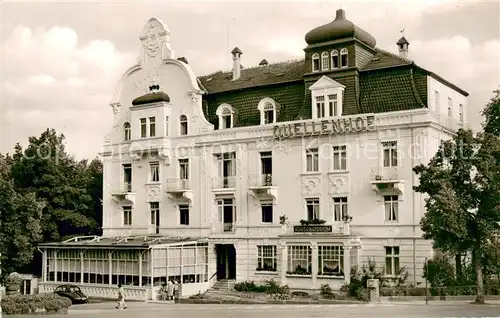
point(13, 283)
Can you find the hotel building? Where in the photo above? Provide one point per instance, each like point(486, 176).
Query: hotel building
point(293, 171)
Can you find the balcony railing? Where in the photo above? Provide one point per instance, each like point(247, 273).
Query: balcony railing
point(386, 173)
point(126, 187)
point(261, 180)
point(224, 182)
point(228, 227)
point(177, 185)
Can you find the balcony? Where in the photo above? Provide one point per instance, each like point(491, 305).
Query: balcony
point(387, 181)
point(124, 193)
point(224, 185)
point(224, 228)
point(178, 189)
point(262, 187)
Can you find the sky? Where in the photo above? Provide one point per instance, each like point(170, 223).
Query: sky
point(61, 61)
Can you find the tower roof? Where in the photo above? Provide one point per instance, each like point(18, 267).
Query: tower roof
point(340, 28)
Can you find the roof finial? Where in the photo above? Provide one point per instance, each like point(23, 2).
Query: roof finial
point(340, 15)
point(402, 32)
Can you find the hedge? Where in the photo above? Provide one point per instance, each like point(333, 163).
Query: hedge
point(30, 304)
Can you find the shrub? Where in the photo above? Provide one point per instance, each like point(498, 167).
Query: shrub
point(357, 287)
point(26, 304)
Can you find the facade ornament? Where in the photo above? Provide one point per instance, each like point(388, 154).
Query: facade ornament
point(116, 108)
point(195, 95)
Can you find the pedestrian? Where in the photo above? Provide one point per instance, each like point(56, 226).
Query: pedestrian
point(170, 290)
point(176, 291)
point(120, 302)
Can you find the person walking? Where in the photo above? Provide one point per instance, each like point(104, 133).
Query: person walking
point(120, 303)
point(170, 290)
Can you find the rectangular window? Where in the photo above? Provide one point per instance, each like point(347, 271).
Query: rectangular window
point(166, 126)
point(154, 208)
point(184, 169)
point(144, 128)
point(226, 214)
point(390, 154)
point(127, 215)
point(266, 258)
point(312, 209)
point(461, 110)
point(339, 208)
point(320, 106)
point(154, 168)
point(127, 177)
point(450, 107)
point(152, 126)
point(391, 207)
point(392, 260)
point(332, 105)
point(436, 101)
point(299, 260)
point(267, 212)
point(312, 160)
point(331, 260)
point(184, 214)
point(339, 158)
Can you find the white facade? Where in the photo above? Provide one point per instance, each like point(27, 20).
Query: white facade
point(217, 184)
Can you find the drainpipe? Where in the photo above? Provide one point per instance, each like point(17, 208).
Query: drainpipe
point(414, 203)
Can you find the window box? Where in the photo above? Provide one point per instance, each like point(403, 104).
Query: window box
point(312, 222)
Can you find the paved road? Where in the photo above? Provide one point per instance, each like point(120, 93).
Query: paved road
point(292, 311)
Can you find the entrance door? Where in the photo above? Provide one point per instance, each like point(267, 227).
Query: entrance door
point(226, 261)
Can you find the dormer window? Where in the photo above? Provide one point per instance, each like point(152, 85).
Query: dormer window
point(327, 96)
point(343, 57)
point(184, 124)
point(335, 59)
point(225, 114)
point(127, 132)
point(315, 62)
point(267, 109)
point(320, 106)
point(325, 61)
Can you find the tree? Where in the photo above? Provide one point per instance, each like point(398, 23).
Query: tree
point(462, 183)
point(46, 169)
point(20, 218)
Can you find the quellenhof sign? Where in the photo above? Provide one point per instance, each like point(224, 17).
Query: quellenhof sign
point(325, 127)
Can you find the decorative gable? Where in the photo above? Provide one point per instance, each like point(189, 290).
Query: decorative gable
point(327, 97)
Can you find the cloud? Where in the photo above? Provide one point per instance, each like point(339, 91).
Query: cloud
point(53, 80)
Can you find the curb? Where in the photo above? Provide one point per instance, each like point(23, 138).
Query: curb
point(270, 301)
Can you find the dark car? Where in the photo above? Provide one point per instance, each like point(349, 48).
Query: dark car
point(73, 292)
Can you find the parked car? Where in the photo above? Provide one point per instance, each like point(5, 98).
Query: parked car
point(73, 292)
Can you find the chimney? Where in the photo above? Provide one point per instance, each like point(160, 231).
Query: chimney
point(264, 62)
point(403, 47)
point(236, 52)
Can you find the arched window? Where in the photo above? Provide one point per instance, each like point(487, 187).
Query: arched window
point(315, 62)
point(267, 108)
point(335, 59)
point(343, 57)
point(325, 61)
point(127, 132)
point(184, 124)
point(225, 114)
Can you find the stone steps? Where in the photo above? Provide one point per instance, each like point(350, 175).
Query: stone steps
point(222, 285)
